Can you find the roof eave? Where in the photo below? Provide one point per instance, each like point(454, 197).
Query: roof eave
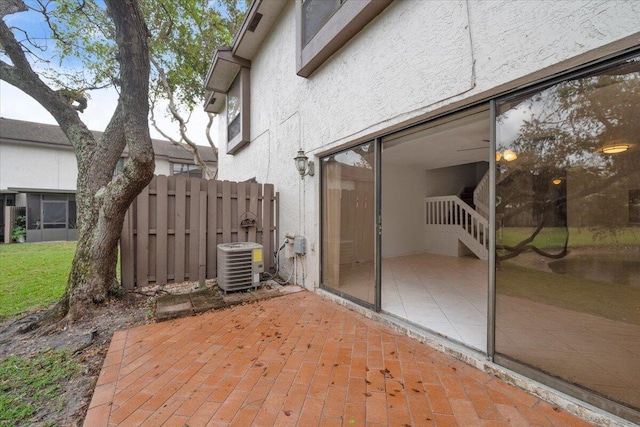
point(257, 24)
point(227, 61)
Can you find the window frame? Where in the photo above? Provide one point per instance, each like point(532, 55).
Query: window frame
point(190, 168)
point(242, 137)
point(350, 17)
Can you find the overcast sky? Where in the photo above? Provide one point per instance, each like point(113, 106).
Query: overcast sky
point(14, 104)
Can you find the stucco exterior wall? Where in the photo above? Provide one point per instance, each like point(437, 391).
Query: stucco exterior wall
point(403, 210)
point(416, 56)
point(28, 166)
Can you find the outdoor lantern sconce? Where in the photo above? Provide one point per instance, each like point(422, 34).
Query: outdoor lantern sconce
point(303, 164)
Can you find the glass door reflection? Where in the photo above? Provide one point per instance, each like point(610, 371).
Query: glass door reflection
point(348, 224)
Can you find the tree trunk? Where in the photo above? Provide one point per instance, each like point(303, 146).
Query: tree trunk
point(101, 201)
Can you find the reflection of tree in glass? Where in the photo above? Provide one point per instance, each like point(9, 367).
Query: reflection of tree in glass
point(559, 142)
point(233, 107)
point(361, 157)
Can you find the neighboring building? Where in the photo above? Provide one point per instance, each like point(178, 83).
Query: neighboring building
point(38, 170)
point(477, 171)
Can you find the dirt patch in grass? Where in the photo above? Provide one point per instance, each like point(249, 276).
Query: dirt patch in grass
point(86, 343)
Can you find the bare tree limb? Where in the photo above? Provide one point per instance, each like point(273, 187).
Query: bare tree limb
point(210, 140)
point(185, 143)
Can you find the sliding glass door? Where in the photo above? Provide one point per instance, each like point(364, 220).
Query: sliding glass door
point(348, 224)
point(567, 235)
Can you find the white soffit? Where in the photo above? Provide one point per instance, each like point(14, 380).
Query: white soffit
point(256, 26)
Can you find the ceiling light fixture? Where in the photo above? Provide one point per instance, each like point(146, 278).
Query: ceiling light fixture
point(615, 148)
point(509, 155)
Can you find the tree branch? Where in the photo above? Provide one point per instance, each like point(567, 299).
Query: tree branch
point(22, 76)
point(8, 7)
point(210, 140)
point(188, 144)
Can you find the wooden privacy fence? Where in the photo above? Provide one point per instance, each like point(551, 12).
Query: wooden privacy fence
point(172, 229)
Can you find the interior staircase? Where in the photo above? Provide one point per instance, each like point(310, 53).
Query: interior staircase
point(463, 217)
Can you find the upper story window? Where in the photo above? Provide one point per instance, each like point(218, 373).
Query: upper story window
point(190, 171)
point(238, 112)
point(315, 13)
point(324, 26)
point(228, 87)
point(234, 103)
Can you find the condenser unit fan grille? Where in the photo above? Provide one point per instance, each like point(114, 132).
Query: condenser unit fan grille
point(239, 266)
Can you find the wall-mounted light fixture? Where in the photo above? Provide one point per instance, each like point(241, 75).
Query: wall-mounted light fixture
point(508, 155)
point(556, 181)
point(303, 164)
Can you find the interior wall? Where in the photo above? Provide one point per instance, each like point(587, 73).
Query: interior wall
point(451, 180)
point(403, 192)
point(481, 169)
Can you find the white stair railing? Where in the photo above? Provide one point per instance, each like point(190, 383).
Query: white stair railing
point(481, 196)
point(460, 220)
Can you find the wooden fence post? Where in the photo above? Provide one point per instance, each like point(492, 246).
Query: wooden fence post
point(212, 228)
point(202, 240)
point(180, 230)
point(127, 251)
point(226, 212)
point(142, 238)
point(162, 230)
point(194, 228)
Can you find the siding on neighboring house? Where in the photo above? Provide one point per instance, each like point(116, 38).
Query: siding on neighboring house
point(37, 158)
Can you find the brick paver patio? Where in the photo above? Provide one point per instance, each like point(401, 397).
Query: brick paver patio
point(298, 360)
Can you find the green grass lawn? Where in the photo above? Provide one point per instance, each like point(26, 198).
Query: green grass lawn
point(554, 237)
point(32, 384)
point(613, 301)
point(33, 275)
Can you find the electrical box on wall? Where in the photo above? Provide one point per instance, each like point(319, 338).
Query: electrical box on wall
point(288, 247)
point(300, 245)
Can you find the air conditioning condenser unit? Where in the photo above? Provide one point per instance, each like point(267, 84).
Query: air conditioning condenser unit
point(239, 266)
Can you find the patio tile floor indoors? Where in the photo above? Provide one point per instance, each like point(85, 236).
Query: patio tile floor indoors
point(298, 360)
